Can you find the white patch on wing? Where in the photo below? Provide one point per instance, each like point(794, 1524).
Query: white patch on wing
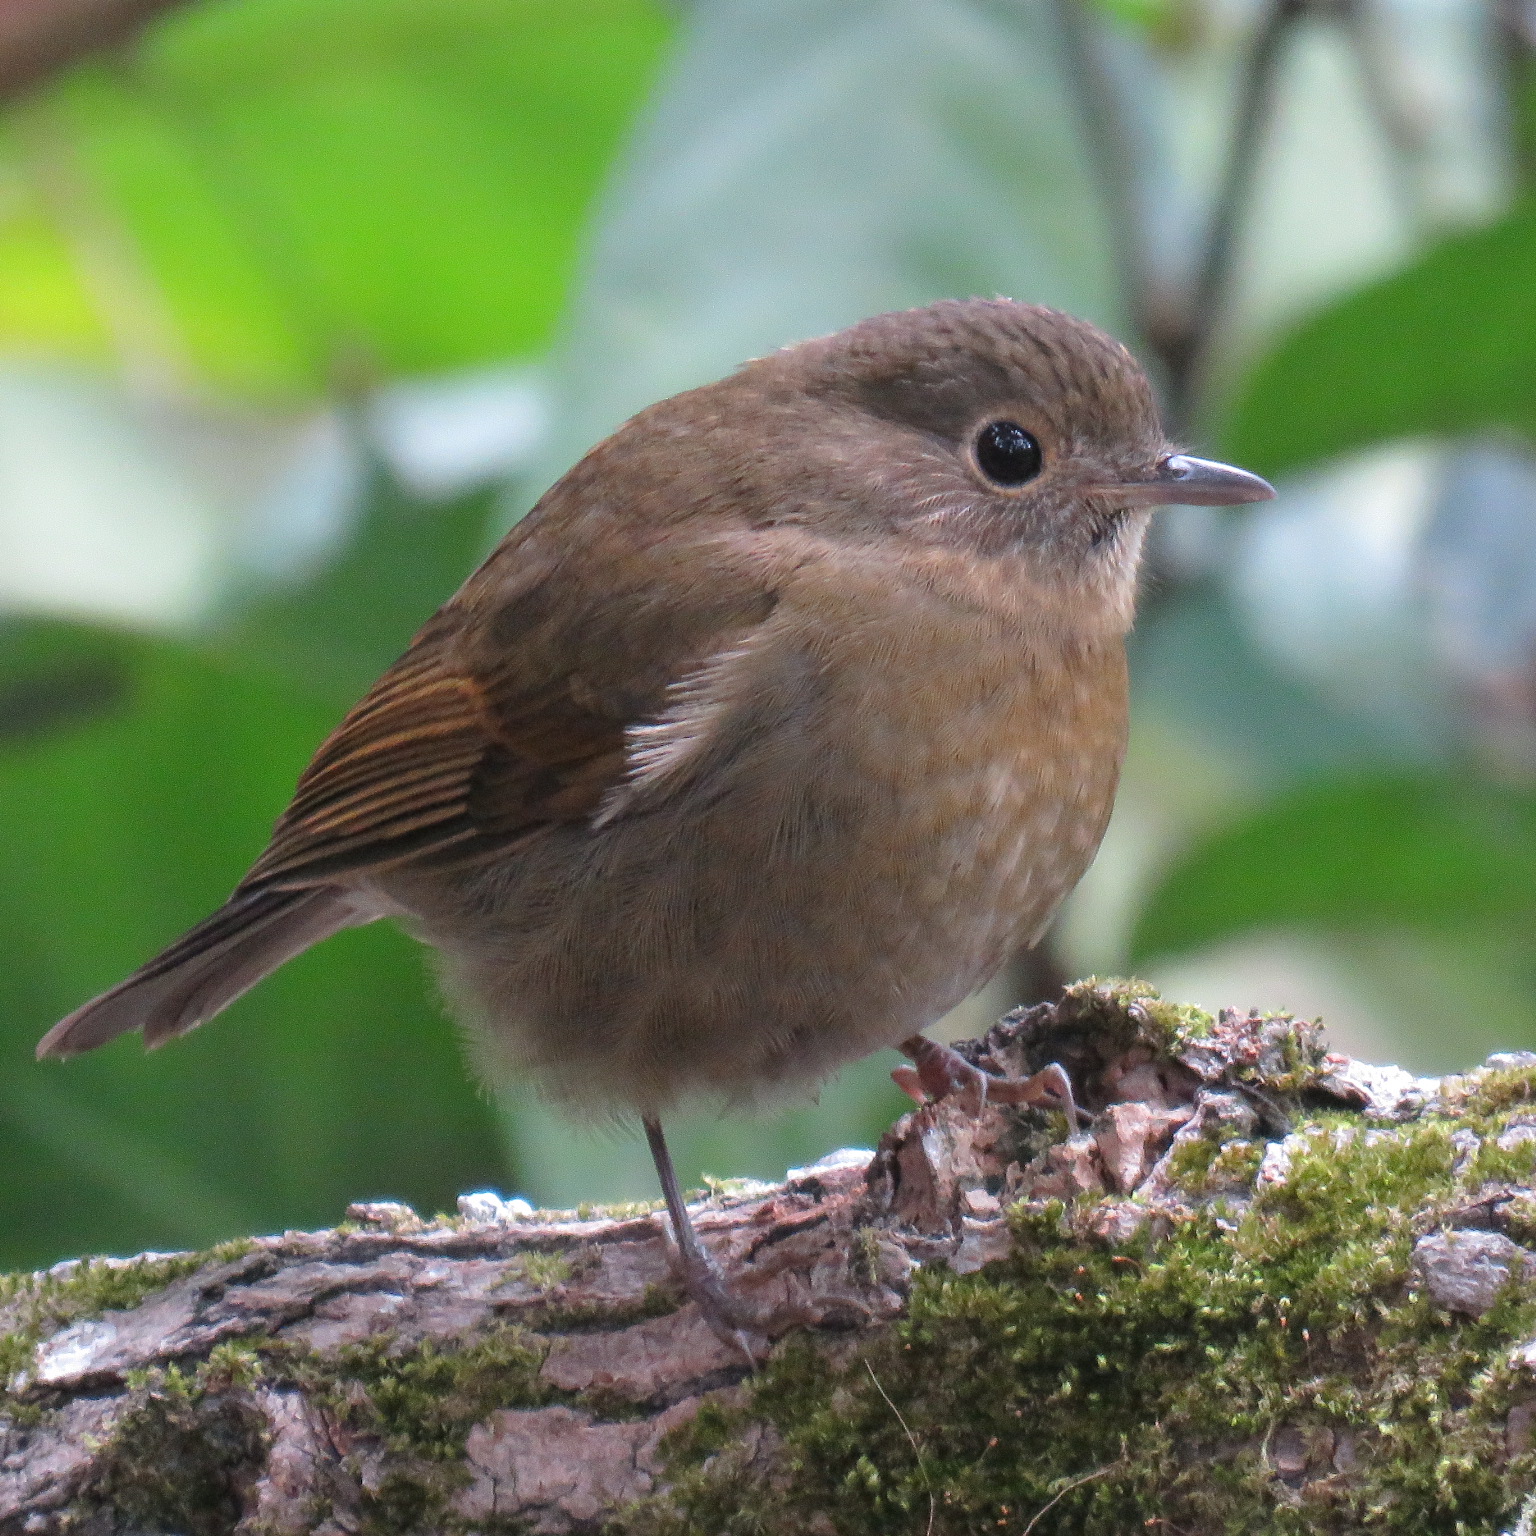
point(662, 755)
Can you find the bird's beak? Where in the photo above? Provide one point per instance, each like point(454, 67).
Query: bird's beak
point(1180, 480)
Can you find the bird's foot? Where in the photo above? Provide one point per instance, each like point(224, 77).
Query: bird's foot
point(938, 1072)
point(731, 1318)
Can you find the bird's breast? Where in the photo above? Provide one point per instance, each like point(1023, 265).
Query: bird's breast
point(975, 760)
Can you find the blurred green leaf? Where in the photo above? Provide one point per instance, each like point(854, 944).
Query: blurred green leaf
point(336, 1079)
point(44, 304)
point(1446, 346)
point(1195, 663)
point(1355, 854)
point(52, 676)
point(281, 184)
point(1148, 14)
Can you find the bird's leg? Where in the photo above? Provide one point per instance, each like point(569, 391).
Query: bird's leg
point(938, 1072)
point(731, 1318)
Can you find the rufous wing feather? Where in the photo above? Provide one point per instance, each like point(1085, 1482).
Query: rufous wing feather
point(428, 768)
point(506, 714)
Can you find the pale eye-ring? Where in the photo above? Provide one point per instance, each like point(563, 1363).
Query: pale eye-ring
point(1007, 454)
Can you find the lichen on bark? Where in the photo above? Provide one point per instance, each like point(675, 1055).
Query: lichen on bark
point(1268, 1290)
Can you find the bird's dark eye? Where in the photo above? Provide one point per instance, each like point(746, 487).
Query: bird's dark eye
point(1007, 453)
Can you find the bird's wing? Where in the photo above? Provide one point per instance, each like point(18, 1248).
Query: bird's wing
point(509, 712)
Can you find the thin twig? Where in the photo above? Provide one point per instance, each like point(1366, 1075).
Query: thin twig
point(1186, 351)
point(1381, 73)
point(1077, 1482)
point(1110, 146)
point(917, 1450)
point(1514, 27)
point(39, 38)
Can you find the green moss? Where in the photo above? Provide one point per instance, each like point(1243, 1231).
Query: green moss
point(1119, 1012)
point(1083, 1388)
point(1494, 1164)
point(33, 1307)
point(865, 1255)
point(1236, 1164)
point(423, 1401)
point(1170, 1027)
point(1275, 1053)
point(92, 1286)
point(1213, 1163)
point(623, 1210)
point(420, 1403)
point(603, 1317)
point(185, 1452)
point(1520, 1218)
point(1494, 1093)
point(720, 1188)
point(188, 1447)
point(548, 1272)
point(545, 1270)
point(1267, 1368)
point(1191, 1162)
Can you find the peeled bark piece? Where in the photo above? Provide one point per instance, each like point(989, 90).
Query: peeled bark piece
point(1468, 1271)
point(1267, 1290)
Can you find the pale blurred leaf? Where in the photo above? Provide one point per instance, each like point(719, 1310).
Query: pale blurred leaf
point(335, 632)
point(805, 165)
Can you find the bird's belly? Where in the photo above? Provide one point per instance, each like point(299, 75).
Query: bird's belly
point(829, 896)
point(976, 832)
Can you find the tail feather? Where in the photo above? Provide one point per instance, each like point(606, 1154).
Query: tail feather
point(207, 968)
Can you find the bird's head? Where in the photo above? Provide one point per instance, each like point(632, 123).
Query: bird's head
point(1002, 428)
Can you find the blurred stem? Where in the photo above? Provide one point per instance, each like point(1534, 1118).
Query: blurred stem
point(1177, 328)
point(1109, 144)
point(1381, 81)
point(1186, 347)
point(38, 38)
point(1037, 975)
point(1514, 25)
point(38, 703)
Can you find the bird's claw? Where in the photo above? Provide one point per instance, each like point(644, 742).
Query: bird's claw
point(939, 1072)
point(733, 1320)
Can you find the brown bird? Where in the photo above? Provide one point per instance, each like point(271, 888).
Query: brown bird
point(782, 721)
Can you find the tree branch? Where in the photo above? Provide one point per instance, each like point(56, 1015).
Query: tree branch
point(1113, 156)
point(1207, 1306)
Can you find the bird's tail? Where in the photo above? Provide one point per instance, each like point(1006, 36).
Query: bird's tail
point(207, 968)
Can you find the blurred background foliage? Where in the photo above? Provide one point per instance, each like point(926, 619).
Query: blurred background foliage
point(303, 301)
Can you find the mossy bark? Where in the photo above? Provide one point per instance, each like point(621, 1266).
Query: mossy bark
point(1268, 1291)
